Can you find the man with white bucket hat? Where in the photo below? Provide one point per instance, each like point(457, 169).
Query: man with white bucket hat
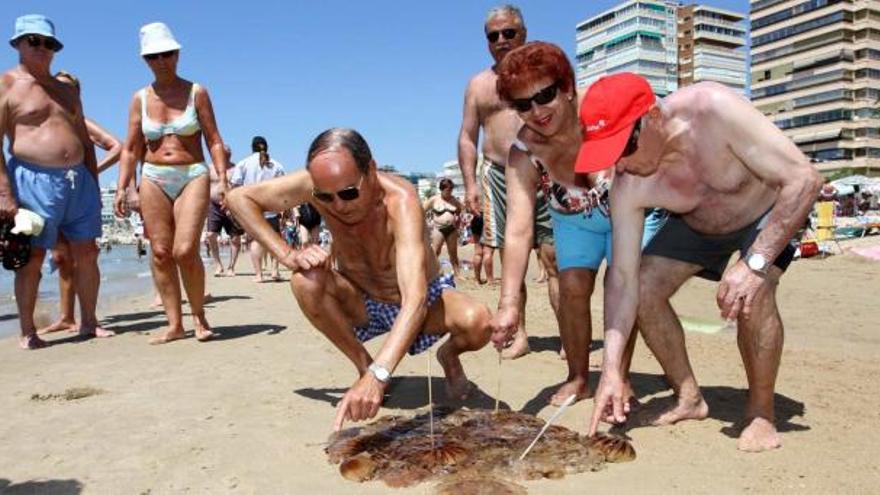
point(52, 171)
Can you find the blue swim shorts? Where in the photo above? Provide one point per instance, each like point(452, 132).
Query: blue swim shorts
point(583, 240)
point(382, 316)
point(68, 199)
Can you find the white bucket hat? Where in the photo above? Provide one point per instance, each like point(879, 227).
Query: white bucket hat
point(156, 37)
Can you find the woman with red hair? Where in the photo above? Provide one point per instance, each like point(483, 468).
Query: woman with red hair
point(537, 80)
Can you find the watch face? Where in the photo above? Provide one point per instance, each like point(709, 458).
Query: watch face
point(757, 262)
point(381, 373)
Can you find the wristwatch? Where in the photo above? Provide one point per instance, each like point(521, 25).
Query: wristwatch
point(758, 263)
point(380, 372)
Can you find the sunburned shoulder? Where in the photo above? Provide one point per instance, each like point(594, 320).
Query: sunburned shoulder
point(399, 192)
point(706, 97)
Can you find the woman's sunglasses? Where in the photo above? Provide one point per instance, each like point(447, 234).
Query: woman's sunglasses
point(154, 56)
point(348, 194)
point(542, 97)
point(508, 34)
point(49, 43)
point(632, 145)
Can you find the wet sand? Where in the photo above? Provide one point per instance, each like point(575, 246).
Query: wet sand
point(250, 412)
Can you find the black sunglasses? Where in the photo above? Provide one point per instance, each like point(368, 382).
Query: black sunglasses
point(542, 97)
point(632, 145)
point(348, 194)
point(49, 43)
point(154, 56)
point(508, 34)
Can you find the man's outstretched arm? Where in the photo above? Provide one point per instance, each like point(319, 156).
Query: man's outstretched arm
point(621, 296)
point(248, 203)
point(363, 399)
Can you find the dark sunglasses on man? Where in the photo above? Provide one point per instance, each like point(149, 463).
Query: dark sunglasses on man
point(350, 193)
point(154, 56)
point(508, 34)
point(632, 145)
point(35, 41)
point(542, 97)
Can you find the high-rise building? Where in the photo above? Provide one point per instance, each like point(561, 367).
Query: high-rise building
point(635, 36)
point(816, 74)
point(710, 47)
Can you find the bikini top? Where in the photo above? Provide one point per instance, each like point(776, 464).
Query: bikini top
point(565, 200)
point(186, 124)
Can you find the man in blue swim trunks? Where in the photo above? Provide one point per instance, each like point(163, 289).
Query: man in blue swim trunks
point(52, 172)
point(381, 277)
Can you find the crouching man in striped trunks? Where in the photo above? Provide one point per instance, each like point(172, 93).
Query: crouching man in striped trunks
point(386, 278)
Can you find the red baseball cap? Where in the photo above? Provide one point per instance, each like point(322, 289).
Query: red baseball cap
point(609, 111)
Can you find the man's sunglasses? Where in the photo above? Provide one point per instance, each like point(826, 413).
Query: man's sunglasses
point(154, 56)
point(49, 43)
point(542, 97)
point(348, 194)
point(632, 145)
point(508, 34)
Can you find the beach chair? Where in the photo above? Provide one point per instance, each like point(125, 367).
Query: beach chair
point(826, 227)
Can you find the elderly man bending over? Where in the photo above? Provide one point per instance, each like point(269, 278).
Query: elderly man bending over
point(386, 277)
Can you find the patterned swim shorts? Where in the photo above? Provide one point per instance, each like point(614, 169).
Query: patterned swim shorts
point(382, 316)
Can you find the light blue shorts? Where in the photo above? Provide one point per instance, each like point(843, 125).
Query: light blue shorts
point(68, 199)
point(584, 240)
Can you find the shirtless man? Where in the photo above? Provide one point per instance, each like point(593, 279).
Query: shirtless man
point(386, 277)
point(61, 252)
point(219, 219)
point(732, 181)
point(504, 30)
point(52, 171)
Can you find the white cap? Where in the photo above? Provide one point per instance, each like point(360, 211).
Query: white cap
point(156, 37)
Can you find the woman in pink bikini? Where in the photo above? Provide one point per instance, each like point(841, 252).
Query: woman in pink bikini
point(167, 121)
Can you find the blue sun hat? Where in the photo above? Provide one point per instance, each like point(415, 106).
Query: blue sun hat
point(34, 24)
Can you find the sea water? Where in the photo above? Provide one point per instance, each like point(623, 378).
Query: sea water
point(123, 274)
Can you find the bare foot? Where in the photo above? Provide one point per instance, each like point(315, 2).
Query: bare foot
point(259, 279)
point(157, 302)
point(230, 272)
point(32, 342)
point(519, 347)
point(577, 387)
point(681, 410)
point(95, 331)
point(759, 436)
point(59, 326)
point(457, 384)
point(219, 272)
point(168, 336)
point(203, 329)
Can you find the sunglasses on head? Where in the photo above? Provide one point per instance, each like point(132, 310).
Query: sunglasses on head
point(542, 97)
point(508, 34)
point(154, 56)
point(348, 194)
point(36, 41)
point(632, 145)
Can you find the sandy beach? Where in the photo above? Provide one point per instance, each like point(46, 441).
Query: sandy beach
point(251, 411)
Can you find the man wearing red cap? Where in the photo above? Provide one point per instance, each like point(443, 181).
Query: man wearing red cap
point(733, 182)
point(505, 31)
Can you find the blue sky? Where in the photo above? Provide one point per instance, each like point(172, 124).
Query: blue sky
point(394, 70)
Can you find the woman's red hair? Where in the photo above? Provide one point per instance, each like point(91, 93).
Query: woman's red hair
point(531, 62)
